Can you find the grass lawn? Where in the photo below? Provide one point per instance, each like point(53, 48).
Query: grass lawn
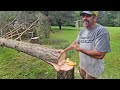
point(17, 65)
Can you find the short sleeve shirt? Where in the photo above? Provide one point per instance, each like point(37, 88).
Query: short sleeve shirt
point(96, 38)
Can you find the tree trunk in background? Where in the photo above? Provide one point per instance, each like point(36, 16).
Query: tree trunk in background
point(59, 23)
point(35, 50)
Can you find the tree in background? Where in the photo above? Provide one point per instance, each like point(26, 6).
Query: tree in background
point(5, 18)
point(109, 18)
point(43, 29)
point(48, 18)
point(65, 18)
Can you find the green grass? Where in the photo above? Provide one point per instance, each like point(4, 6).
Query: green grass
point(112, 59)
point(14, 65)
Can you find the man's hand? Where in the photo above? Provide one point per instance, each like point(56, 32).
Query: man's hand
point(60, 51)
point(76, 47)
point(71, 46)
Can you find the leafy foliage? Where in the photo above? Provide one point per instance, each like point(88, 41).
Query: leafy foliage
point(67, 17)
point(43, 29)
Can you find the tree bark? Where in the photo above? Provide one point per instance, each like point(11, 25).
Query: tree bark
point(64, 71)
point(69, 74)
point(36, 50)
point(51, 56)
point(63, 68)
point(59, 23)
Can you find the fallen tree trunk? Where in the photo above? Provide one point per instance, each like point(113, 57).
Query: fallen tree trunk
point(35, 50)
point(64, 68)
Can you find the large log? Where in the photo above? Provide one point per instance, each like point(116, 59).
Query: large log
point(36, 50)
point(51, 56)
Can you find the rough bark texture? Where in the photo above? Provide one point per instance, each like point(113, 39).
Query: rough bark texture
point(35, 50)
point(51, 56)
point(69, 74)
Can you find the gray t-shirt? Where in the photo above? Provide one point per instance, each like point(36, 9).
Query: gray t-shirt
point(95, 38)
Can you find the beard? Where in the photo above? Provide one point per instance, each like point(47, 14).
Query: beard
point(85, 23)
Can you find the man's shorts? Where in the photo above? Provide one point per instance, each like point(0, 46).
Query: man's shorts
point(84, 75)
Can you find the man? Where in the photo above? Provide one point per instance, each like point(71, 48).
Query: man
point(92, 44)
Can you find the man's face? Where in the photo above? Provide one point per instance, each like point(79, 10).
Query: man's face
point(87, 20)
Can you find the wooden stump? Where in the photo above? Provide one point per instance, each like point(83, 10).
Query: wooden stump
point(64, 68)
point(62, 74)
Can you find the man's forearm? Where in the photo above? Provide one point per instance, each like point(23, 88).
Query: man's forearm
point(68, 48)
point(93, 53)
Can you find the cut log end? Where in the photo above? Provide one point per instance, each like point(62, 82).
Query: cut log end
point(64, 70)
